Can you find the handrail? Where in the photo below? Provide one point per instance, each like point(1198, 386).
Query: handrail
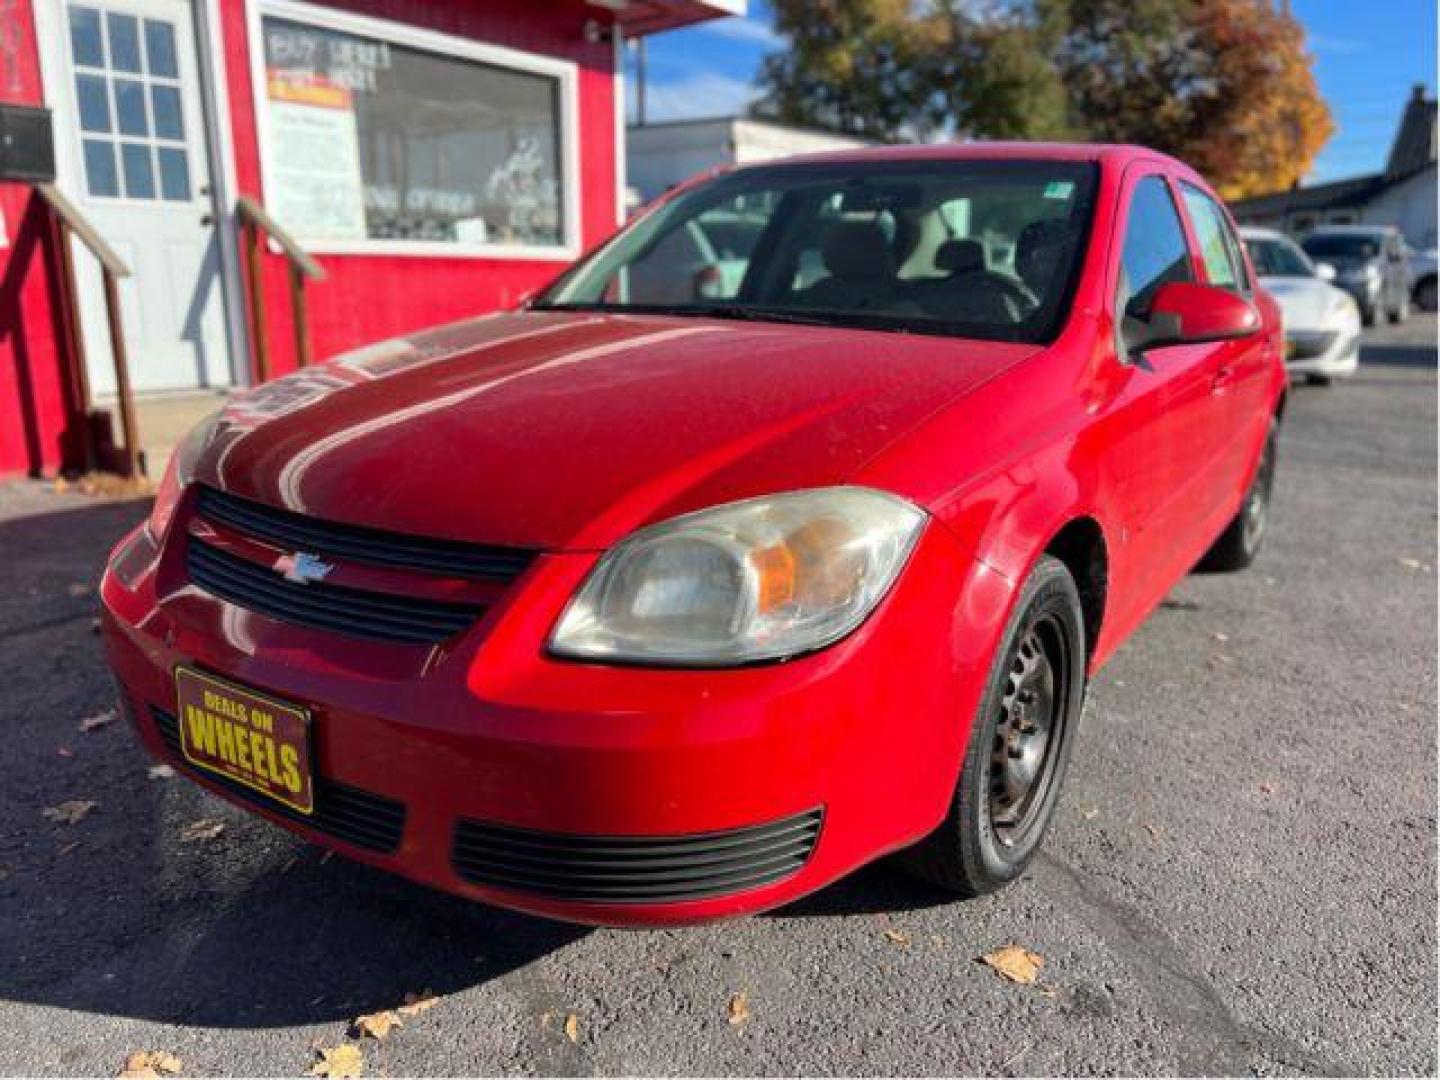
point(255, 219)
point(251, 212)
point(76, 223)
point(68, 221)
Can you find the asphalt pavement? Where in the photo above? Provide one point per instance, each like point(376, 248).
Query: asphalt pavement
point(1241, 879)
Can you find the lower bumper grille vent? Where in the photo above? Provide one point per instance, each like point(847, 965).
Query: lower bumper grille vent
point(634, 869)
point(357, 817)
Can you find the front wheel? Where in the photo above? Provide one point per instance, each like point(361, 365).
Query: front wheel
point(1240, 542)
point(1019, 744)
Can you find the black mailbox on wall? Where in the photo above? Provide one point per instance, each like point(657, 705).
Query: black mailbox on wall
point(27, 145)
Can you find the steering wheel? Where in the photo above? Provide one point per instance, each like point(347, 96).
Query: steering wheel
point(1018, 298)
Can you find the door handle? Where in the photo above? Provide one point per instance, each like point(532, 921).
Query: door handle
point(1224, 376)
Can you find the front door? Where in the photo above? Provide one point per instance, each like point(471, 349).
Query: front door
point(133, 156)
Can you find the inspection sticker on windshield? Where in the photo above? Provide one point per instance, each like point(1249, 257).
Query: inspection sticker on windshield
point(1059, 189)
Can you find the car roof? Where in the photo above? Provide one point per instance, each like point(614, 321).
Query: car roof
point(1118, 153)
point(1351, 230)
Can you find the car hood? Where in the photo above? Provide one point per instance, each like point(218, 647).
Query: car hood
point(1307, 302)
point(567, 430)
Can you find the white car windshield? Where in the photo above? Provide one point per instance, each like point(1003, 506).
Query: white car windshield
point(1278, 258)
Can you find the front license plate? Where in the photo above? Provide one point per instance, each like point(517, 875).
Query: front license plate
point(247, 737)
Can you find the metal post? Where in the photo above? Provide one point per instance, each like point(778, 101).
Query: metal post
point(300, 316)
point(257, 303)
point(134, 466)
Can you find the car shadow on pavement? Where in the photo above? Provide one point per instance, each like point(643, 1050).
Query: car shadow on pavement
point(117, 914)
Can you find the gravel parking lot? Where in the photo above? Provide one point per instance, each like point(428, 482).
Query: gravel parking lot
point(1241, 880)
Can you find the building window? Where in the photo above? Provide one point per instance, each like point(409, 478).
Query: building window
point(376, 136)
point(127, 92)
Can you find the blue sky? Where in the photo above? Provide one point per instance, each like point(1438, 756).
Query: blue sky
point(1368, 54)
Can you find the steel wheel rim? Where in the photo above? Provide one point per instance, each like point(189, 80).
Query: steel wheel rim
point(1029, 732)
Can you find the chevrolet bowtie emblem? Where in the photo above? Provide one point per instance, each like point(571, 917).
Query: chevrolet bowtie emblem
point(302, 567)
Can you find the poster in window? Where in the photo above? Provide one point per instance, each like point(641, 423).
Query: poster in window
point(315, 188)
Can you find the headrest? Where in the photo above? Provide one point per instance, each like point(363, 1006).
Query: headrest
point(857, 249)
point(1037, 247)
point(960, 256)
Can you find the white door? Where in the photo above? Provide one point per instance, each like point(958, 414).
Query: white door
point(130, 136)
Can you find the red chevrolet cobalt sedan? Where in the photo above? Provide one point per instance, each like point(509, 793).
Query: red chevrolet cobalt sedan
point(706, 578)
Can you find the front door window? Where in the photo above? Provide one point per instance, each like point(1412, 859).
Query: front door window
point(132, 121)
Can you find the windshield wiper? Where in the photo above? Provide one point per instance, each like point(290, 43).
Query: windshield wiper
point(753, 314)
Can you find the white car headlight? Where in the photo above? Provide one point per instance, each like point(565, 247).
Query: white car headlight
point(760, 579)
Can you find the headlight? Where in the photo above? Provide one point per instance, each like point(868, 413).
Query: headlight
point(1342, 306)
point(178, 473)
point(756, 580)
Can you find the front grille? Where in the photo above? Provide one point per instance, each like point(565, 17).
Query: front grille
point(322, 606)
point(634, 869)
point(1308, 344)
point(357, 817)
point(360, 544)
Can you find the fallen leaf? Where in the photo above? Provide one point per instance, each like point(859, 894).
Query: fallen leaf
point(1266, 788)
point(160, 772)
point(1153, 830)
point(1222, 658)
point(65, 751)
point(1219, 636)
point(70, 811)
point(67, 849)
point(79, 588)
point(1090, 812)
point(415, 1004)
point(1015, 963)
point(204, 829)
point(148, 1064)
point(572, 1028)
point(1412, 564)
point(898, 937)
point(343, 1061)
point(738, 1011)
point(99, 720)
point(376, 1025)
point(61, 485)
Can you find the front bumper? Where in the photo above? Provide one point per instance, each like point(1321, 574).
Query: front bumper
point(1332, 352)
point(486, 768)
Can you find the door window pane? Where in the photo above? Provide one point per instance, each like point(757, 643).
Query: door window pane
point(371, 139)
point(165, 106)
point(101, 177)
point(124, 33)
point(139, 171)
point(174, 175)
point(85, 42)
point(1210, 231)
point(1155, 251)
point(160, 49)
point(94, 102)
point(130, 107)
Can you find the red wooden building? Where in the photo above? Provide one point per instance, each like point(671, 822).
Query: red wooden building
point(437, 158)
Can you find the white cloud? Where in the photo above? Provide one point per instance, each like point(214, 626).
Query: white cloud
point(748, 31)
point(701, 94)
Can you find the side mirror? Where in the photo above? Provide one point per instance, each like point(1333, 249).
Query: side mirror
point(1325, 271)
point(1183, 313)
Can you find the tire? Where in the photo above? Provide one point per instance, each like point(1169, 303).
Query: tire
point(1425, 294)
point(1401, 313)
point(1037, 683)
point(1245, 535)
point(1370, 315)
point(1318, 380)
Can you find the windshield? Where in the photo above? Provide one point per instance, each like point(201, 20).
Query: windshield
point(980, 249)
point(1336, 246)
point(1279, 258)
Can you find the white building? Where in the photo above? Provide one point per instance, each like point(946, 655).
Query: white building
point(659, 156)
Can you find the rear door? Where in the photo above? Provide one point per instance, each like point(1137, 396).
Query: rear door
point(1240, 383)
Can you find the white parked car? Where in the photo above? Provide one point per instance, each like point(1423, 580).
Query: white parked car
point(1322, 322)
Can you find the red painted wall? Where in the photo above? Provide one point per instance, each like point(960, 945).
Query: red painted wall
point(35, 423)
point(365, 298)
